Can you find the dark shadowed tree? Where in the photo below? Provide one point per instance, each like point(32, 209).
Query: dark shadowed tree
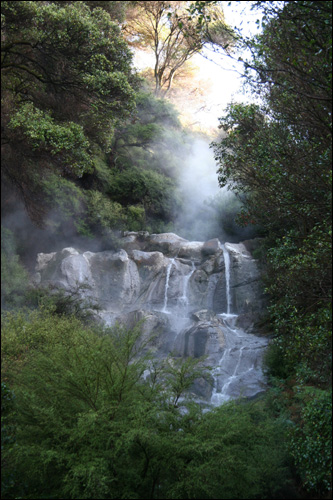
point(66, 82)
point(277, 157)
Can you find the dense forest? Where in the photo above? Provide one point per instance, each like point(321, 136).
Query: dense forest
point(91, 147)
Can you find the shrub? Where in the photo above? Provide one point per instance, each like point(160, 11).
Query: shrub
point(14, 277)
point(311, 441)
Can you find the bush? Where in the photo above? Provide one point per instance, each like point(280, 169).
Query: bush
point(274, 362)
point(8, 430)
point(89, 425)
point(63, 302)
point(311, 441)
point(14, 277)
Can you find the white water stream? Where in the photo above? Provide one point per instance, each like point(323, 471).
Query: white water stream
point(183, 300)
point(239, 370)
point(168, 272)
point(226, 257)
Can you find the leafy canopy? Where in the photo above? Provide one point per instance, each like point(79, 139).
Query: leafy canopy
point(66, 81)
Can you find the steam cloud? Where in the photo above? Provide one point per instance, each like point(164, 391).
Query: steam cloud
point(202, 197)
point(205, 206)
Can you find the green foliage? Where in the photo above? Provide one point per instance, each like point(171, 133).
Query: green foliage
point(115, 9)
point(293, 65)
point(241, 456)
point(68, 199)
point(24, 332)
point(133, 187)
point(181, 373)
point(62, 302)
point(274, 362)
point(284, 178)
point(277, 156)
point(14, 277)
point(152, 137)
point(153, 190)
point(311, 440)
point(78, 125)
point(8, 429)
point(297, 279)
point(108, 213)
point(67, 80)
point(136, 217)
point(89, 425)
point(66, 142)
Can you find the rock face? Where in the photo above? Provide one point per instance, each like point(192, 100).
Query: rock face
point(184, 292)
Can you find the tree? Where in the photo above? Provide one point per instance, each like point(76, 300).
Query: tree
point(66, 82)
point(94, 417)
point(174, 33)
point(283, 175)
point(277, 157)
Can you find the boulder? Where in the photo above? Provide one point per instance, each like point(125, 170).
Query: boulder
point(211, 247)
point(157, 329)
point(246, 288)
point(116, 279)
point(203, 337)
point(191, 250)
point(132, 240)
point(167, 243)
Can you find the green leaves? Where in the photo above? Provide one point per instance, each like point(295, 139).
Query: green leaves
point(181, 374)
point(14, 277)
point(67, 81)
point(311, 441)
point(88, 424)
point(66, 143)
point(275, 156)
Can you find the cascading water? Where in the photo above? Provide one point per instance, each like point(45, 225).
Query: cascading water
point(168, 272)
point(226, 257)
point(237, 374)
point(183, 300)
point(178, 299)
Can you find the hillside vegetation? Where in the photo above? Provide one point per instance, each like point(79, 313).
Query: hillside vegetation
point(89, 151)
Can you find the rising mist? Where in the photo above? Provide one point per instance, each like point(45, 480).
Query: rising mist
point(208, 210)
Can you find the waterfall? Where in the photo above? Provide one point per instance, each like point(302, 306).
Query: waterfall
point(168, 272)
point(183, 300)
point(226, 257)
point(233, 376)
point(176, 287)
point(235, 370)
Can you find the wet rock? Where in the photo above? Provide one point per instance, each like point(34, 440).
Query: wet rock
point(132, 240)
point(203, 315)
point(116, 279)
point(43, 260)
point(167, 243)
point(246, 288)
point(159, 330)
point(211, 247)
point(203, 338)
point(177, 290)
point(191, 250)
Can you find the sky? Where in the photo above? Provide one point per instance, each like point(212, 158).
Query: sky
point(223, 72)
